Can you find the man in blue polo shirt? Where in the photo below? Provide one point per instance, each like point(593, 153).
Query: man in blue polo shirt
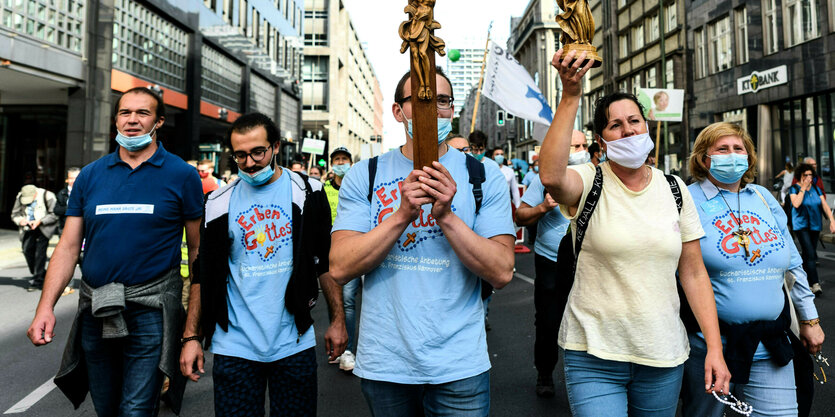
point(422, 244)
point(130, 208)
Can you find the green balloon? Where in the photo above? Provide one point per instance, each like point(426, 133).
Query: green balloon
point(454, 55)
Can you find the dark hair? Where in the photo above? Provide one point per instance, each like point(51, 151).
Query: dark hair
point(594, 148)
point(160, 110)
point(250, 121)
point(801, 169)
point(493, 151)
point(318, 168)
point(477, 138)
point(601, 109)
point(296, 162)
point(398, 92)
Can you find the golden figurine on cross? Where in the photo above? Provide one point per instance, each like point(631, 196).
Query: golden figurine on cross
point(418, 36)
point(577, 24)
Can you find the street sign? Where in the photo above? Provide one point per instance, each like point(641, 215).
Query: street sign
point(313, 146)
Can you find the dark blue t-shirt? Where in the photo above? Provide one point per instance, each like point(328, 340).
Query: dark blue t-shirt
point(134, 218)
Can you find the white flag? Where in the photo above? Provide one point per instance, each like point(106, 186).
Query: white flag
point(509, 85)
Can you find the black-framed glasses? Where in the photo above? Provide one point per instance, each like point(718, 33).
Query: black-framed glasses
point(464, 149)
point(256, 154)
point(444, 102)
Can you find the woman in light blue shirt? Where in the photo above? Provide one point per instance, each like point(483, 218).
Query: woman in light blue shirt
point(747, 250)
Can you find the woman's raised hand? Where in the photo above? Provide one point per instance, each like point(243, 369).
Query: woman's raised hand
point(571, 71)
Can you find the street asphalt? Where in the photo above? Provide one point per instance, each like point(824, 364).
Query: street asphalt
point(26, 371)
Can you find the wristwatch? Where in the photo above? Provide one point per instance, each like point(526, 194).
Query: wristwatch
point(185, 340)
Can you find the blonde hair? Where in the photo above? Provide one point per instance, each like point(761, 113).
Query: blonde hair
point(708, 137)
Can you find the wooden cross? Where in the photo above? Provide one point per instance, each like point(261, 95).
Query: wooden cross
point(418, 37)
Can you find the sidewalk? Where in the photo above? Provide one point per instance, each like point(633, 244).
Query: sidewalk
point(10, 253)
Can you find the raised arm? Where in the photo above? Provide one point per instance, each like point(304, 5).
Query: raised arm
point(564, 185)
point(827, 212)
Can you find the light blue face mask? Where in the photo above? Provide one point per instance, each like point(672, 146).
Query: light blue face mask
point(728, 169)
point(499, 159)
point(444, 127)
point(134, 143)
point(260, 177)
point(341, 169)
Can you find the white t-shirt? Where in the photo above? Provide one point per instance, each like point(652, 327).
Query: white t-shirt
point(624, 305)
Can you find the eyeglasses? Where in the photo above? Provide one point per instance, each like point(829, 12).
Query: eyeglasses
point(257, 155)
point(444, 102)
point(577, 147)
point(464, 149)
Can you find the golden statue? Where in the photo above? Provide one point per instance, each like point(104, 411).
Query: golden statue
point(577, 26)
point(417, 36)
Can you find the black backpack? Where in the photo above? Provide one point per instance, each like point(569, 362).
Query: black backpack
point(567, 252)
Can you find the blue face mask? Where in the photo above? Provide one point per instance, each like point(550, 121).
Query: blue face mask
point(341, 169)
point(535, 169)
point(444, 127)
point(499, 159)
point(728, 169)
point(134, 143)
point(260, 177)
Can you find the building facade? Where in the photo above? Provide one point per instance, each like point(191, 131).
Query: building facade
point(342, 96)
point(64, 64)
point(628, 36)
point(770, 66)
point(497, 136)
point(464, 74)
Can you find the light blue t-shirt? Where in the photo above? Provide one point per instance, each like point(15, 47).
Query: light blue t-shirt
point(260, 264)
point(529, 177)
point(552, 226)
point(749, 288)
point(422, 318)
point(808, 216)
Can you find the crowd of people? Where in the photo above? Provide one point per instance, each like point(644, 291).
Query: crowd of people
point(649, 288)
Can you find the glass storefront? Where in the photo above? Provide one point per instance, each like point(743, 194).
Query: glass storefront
point(805, 127)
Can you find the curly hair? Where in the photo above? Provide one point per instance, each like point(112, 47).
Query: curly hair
point(708, 138)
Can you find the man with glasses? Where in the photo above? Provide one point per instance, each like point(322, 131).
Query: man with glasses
point(265, 241)
point(422, 238)
point(130, 208)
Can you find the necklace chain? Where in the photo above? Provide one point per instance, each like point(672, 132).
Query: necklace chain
point(738, 217)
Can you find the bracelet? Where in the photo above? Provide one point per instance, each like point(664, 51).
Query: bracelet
point(185, 340)
point(812, 322)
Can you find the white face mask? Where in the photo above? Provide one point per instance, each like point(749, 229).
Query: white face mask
point(630, 152)
point(578, 158)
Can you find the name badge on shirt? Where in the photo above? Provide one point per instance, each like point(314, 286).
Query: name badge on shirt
point(124, 209)
point(712, 206)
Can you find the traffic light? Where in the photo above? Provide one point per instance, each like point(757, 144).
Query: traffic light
point(500, 118)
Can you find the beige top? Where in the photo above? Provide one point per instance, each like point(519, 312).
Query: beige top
point(624, 304)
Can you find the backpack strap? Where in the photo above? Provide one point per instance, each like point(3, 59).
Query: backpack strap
point(588, 209)
point(301, 189)
point(676, 191)
point(372, 174)
point(475, 169)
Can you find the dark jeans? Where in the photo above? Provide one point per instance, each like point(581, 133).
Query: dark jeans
point(124, 374)
point(34, 249)
point(808, 251)
point(468, 397)
point(547, 293)
point(240, 385)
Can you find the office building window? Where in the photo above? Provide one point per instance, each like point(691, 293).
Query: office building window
point(770, 30)
point(289, 119)
point(315, 83)
point(622, 3)
point(221, 79)
point(149, 46)
point(720, 50)
point(623, 44)
point(800, 21)
point(652, 75)
point(636, 83)
point(669, 74)
point(58, 23)
point(243, 16)
point(701, 56)
point(652, 22)
point(262, 95)
point(228, 6)
point(670, 19)
point(623, 86)
point(741, 17)
point(638, 37)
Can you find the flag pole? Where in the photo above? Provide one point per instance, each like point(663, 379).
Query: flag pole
point(481, 78)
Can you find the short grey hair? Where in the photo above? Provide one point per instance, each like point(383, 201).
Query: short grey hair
point(808, 160)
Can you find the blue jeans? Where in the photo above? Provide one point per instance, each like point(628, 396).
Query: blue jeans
point(124, 373)
point(240, 385)
point(808, 251)
point(602, 388)
point(349, 299)
point(770, 388)
point(468, 397)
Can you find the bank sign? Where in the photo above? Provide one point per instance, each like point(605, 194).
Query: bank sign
point(759, 80)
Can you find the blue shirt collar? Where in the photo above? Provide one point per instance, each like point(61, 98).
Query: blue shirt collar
point(711, 190)
point(156, 159)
